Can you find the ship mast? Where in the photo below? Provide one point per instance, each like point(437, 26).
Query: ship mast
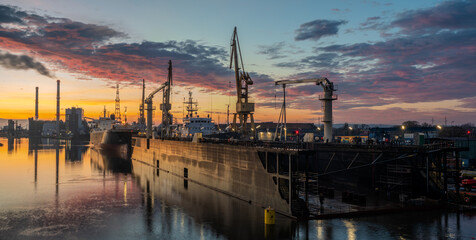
point(190, 108)
point(244, 109)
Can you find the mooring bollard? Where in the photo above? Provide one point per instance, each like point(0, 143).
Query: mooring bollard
point(269, 216)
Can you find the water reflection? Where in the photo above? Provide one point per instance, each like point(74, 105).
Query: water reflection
point(219, 214)
point(109, 163)
point(57, 174)
point(74, 150)
point(44, 143)
point(36, 167)
point(11, 142)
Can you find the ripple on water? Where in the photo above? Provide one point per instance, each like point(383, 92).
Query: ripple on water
point(47, 231)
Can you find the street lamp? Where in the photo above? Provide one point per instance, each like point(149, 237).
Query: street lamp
point(403, 133)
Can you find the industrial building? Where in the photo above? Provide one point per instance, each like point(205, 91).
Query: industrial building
point(75, 126)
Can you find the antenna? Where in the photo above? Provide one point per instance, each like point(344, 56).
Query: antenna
point(125, 114)
point(117, 112)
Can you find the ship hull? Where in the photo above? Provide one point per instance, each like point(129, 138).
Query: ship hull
point(113, 142)
point(234, 170)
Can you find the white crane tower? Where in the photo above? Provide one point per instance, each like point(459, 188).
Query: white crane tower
point(329, 96)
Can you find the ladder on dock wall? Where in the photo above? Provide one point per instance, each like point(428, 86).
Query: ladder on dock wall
point(307, 190)
point(443, 168)
point(290, 181)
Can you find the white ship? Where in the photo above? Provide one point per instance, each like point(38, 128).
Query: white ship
point(193, 123)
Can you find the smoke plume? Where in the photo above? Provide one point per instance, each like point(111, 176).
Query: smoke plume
point(23, 62)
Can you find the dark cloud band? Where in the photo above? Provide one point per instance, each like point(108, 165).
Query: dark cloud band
point(317, 29)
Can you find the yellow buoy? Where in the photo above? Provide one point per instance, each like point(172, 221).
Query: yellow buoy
point(269, 216)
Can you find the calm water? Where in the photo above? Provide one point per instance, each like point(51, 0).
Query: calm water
point(73, 192)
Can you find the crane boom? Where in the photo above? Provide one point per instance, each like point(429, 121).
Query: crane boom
point(151, 95)
point(316, 80)
point(328, 88)
point(150, 108)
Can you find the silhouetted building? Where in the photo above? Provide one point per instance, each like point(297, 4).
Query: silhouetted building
point(74, 121)
point(35, 127)
point(11, 128)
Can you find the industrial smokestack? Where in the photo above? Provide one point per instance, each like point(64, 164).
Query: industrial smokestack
point(36, 104)
point(57, 108)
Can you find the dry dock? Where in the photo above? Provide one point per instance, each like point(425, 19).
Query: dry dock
point(313, 180)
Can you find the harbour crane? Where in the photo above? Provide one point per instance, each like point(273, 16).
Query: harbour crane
point(150, 108)
point(141, 107)
point(244, 109)
point(166, 106)
point(329, 96)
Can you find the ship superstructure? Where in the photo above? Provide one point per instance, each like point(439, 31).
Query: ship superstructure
point(193, 123)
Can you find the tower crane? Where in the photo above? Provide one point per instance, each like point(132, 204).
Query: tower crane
point(244, 109)
point(329, 96)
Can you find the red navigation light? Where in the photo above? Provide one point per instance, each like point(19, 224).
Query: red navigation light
point(297, 132)
point(468, 132)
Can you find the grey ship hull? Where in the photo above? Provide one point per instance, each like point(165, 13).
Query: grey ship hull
point(113, 142)
point(234, 170)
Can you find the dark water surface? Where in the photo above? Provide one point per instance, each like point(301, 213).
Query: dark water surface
point(74, 192)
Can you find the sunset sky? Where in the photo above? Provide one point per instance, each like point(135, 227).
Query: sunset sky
point(392, 61)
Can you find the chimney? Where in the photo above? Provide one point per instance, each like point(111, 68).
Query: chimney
point(36, 104)
point(57, 108)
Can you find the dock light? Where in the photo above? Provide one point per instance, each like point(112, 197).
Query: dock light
point(258, 126)
point(285, 129)
point(439, 127)
point(319, 128)
point(252, 129)
point(350, 128)
point(403, 127)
